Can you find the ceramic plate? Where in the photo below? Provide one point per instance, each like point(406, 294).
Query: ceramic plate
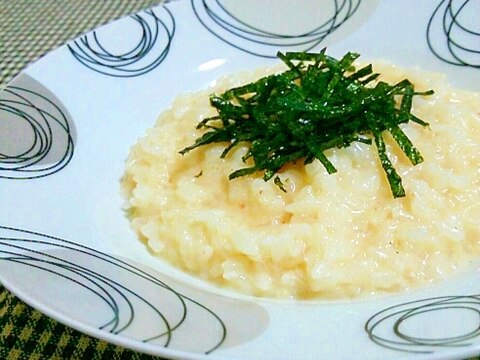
point(68, 121)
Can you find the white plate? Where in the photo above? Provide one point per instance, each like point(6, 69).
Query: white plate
point(67, 123)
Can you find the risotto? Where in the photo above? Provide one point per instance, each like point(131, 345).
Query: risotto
point(337, 235)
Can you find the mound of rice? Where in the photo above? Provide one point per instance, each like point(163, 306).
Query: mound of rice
point(329, 236)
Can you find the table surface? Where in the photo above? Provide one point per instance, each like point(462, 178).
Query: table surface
point(28, 30)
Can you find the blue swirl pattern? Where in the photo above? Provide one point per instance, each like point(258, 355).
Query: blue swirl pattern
point(250, 39)
point(450, 37)
point(131, 295)
point(385, 328)
point(46, 141)
point(157, 29)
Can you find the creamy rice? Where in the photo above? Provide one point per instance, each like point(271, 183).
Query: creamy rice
point(329, 236)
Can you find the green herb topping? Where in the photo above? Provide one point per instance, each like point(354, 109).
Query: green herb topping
point(317, 104)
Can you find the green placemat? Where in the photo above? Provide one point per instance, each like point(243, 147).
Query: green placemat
point(28, 30)
point(31, 28)
point(27, 334)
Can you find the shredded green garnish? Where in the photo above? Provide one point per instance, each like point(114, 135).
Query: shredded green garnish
point(317, 104)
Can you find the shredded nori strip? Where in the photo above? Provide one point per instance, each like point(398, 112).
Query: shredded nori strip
point(317, 104)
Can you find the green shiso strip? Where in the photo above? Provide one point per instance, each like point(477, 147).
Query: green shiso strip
point(317, 104)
